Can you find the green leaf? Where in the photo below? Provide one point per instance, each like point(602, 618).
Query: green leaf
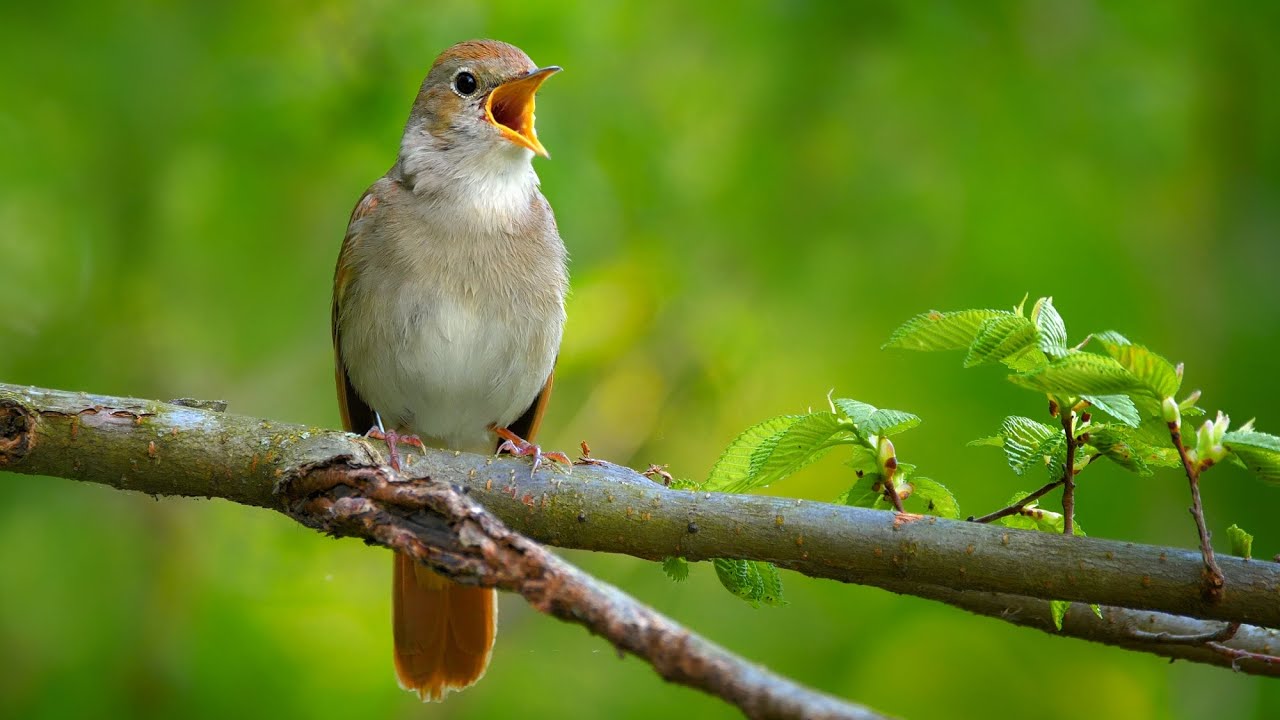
point(1000, 338)
point(941, 330)
point(1097, 610)
point(1156, 375)
point(1241, 542)
point(774, 449)
point(1053, 454)
point(1080, 373)
point(1059, 610)
point(1052, 331)
point(676, 568)
point(871, 420)
point(752, 580)
point(1118, 445)
point(863, 493)
point(1259, 452)
point(1119, 407)
point(889, 422)
point(1022, 439)
point(937, 499)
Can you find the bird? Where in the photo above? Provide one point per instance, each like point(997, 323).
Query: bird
point(448, 312)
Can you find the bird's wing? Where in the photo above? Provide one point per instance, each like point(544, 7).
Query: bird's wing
point(357, 416)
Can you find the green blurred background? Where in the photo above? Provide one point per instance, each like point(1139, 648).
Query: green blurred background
point(754, 196)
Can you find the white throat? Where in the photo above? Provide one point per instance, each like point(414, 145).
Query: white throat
point(490, 182)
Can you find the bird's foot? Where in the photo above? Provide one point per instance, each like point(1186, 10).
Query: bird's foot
point(513, 444)
point(392, 438)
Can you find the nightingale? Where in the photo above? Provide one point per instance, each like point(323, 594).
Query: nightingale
point(448, 308)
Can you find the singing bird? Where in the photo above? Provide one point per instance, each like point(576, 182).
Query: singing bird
point(448, 308)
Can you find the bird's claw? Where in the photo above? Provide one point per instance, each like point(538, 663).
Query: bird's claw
point(513, 444)
point(393, 438)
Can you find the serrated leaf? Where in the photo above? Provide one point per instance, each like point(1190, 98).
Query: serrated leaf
point(1080, 373)
point(1058, 608)
point(734, 464)
point(863, 493)
point(1119, 407)
point(752, 580)
point(889, 422)
point(1241, 542)
point(1052, 334)
point(941, 330)
point(1117, 445)
point(1000, 338)
point(676, 568)
point(855, 410)
point(1053, 454)
point(863, 459)
point(772, 450)
point(1259, 452)
point(989, 441)
point(1021, 441)
point(1156, 374)
point(871, 420)
point(937, 499)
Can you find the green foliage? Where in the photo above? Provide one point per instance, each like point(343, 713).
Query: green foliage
point(870, 420)
point(774, 449)
point(1119, 407)
point(756, 582)
point(1058, 608)
point(1022, 439)
point(1158, 376)
point(1259, 452)
point(676, 568)
point(941, 331)
point(1241, 542)
point(1052, 330)
point(781, 446)
point(1079, 373)
point(1005, 338)
point(937, 499)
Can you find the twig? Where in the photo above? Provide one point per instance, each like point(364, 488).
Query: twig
point(1226, 632)
point(1069, 475)
point(456, 537)
point(1213, 581)
point(1017, 507)
point(1236, 655)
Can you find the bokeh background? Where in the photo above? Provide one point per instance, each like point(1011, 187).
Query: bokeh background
point(754, 196)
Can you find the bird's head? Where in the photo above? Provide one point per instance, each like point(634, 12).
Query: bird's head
point(475, 111)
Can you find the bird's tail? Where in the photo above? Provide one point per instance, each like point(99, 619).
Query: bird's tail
point(443, 630)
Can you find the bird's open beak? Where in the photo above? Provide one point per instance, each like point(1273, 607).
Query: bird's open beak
point(510, 108)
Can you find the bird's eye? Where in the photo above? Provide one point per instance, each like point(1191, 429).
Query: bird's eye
point(464, 83)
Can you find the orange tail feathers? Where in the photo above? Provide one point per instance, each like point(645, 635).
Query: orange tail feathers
point(443, 630)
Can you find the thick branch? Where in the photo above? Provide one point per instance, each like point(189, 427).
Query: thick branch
point(436, 523)
point(164, 449)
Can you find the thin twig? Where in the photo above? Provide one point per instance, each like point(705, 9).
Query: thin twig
point(1237, 655)
point(1222, 634)
point(1017, 507)
point(1069, 475)
point(1213, 582)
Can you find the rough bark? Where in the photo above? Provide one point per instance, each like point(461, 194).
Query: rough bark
point(166, 449)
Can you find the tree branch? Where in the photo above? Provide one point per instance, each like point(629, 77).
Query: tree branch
point(165, 449)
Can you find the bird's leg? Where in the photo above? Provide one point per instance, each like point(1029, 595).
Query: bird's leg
point(392, 438)
point(516, 445)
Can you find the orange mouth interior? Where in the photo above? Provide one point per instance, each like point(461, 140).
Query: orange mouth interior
point(510, 108)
